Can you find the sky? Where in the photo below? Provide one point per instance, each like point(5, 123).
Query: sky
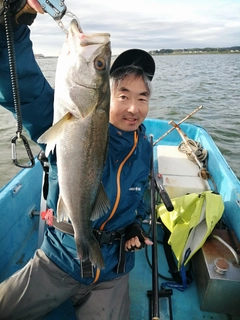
point(146, 24)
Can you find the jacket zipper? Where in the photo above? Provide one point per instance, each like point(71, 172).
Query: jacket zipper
point(118, 192)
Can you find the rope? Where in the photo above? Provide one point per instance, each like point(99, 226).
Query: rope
point(201, 155)
point(197, 148)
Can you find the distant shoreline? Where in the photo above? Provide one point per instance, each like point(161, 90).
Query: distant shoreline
point(209, 50)
point(191, 53)
point(159, 54)
point(162, 52)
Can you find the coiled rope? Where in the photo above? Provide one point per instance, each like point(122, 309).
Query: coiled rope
point(197, 148)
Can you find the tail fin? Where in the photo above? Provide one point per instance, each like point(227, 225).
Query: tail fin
point(90, 249)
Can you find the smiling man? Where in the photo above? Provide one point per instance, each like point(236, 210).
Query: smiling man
point(131, 74)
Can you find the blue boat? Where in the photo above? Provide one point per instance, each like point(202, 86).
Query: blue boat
point(211, 295)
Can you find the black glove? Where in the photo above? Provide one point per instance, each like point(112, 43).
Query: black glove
point(136, 230)
point(20, 12)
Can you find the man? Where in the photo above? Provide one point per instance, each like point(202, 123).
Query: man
point(54, 274)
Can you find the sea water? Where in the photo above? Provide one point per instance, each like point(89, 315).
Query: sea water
point(181, 84)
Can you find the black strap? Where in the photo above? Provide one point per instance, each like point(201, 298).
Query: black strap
point(86, 269)
point(63, 226)
point(102, 237)
point(121, 257)
point(105, 237)
point(108, 237)
point(173, 270)
point(45, 165)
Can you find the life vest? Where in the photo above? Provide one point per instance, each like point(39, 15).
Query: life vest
point(191, 222)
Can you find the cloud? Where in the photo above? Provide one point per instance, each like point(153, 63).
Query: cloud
point(148, 25)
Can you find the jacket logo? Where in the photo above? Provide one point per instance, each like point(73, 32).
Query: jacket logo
point(135, 189)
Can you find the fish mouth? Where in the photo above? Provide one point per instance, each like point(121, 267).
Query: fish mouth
point(75, 26)
point(87, 39)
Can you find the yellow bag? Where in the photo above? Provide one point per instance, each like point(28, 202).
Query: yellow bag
point(191, 222)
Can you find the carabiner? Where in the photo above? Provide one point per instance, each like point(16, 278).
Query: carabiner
point(20, 137)
point(68, 14)
point(56, 8)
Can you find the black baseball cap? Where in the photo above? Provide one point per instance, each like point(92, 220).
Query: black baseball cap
point(136, 57)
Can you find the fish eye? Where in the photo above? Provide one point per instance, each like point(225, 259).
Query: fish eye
point(100, 64)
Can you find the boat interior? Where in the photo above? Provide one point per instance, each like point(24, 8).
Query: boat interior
point(210, 295)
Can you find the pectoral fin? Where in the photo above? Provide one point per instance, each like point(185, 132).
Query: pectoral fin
point(102, 204)
point(54, 133)
point(62, 214)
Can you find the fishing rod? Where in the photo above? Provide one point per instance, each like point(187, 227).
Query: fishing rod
point(155, 286)
point(155, 293)
point(184, 119)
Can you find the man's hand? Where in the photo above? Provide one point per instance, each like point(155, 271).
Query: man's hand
point(136, 237)
point(34, 4)
point(22, 11)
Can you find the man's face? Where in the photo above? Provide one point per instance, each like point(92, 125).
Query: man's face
point(129, 103)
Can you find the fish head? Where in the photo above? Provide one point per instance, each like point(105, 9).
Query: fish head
point(82, 75)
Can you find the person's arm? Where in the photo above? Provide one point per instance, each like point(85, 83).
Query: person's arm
point(36, 94)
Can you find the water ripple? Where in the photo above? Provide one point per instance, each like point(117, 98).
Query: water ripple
point(181, 84)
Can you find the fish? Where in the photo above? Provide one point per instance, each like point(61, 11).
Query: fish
point(80, 134)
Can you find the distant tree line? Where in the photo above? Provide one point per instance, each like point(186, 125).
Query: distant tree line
point(197, 50)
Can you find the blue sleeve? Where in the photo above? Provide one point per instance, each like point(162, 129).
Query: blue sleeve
point(36, 94)
point(141, 211)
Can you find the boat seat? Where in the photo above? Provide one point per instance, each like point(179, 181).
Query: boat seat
point(180, 175)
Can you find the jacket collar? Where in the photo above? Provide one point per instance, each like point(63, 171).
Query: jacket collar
point(121, 142)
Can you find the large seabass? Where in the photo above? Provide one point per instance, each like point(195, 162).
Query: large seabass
point(80, 133)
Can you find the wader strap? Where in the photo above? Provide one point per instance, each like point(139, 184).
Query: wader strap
point(86, 269)
point(63, 226)
point(121, 257)
point(51, 221)
point(102, 237)
point(108, 237)
point(45, 165)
